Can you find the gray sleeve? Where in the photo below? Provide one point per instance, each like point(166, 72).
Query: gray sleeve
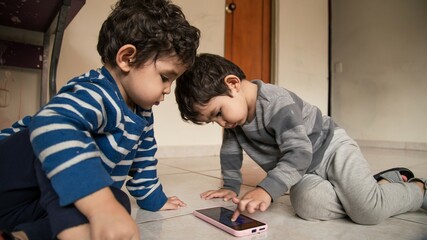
point(231, 161)
point(287, 127)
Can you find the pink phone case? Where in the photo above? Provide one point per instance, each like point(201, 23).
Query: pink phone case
point(248, 227)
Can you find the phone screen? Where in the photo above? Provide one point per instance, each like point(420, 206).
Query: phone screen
point(223, 215)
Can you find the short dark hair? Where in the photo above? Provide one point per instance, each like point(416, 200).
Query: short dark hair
point(157, 28)
point(203, 81)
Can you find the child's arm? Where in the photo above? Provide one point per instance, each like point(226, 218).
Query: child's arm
point(107, 218)
point(231, 158)
point(145, 185)
point(231, 162)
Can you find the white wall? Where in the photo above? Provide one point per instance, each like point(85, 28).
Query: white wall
point(174, 136)
point(302, 47)
point(380, 94)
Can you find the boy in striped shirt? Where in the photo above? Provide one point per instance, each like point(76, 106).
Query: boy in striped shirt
point(61, 170)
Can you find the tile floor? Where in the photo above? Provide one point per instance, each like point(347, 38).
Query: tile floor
point(188, 177)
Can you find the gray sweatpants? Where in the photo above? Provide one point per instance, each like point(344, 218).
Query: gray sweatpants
point(343, 185)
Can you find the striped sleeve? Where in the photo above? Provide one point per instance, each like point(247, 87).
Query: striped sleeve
point(16, 127)
point(61, 138)
point(144, 184)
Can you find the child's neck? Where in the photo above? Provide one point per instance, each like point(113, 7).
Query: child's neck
point(117, 75)
point(250, 91)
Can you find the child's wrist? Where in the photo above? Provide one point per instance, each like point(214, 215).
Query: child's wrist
point(98, 201)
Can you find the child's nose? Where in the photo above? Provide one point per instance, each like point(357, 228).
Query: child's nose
point(220, 122)
point(167, 90)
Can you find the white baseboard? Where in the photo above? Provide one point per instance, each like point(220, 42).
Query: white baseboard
point(187, 151)
point(213, 150)
point(393, 145)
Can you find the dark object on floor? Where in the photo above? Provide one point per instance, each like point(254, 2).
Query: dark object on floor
point(393, 174)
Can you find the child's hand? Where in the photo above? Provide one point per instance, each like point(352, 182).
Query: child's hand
point(173, 203)
point(226, 194)
point(255, 200)
point(108, 219)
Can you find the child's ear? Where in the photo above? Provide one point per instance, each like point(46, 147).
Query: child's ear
point(126, 57)
point(232, 82)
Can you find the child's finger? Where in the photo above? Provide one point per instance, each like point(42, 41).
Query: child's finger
point(263, 206)
point(235, 200)
point(235, 215)
point(252, 206)
point(243, 204)
point(181, 203)
point(228, 197)
point(206, 194)
point(215, 194)
point(178, 201)
point(209, 196)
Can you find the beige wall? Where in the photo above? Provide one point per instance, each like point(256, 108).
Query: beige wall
point(302, 49)
point(19, 88)
point(379, 53)
point(19, 94)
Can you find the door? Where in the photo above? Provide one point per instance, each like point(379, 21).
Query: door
point(248, 36)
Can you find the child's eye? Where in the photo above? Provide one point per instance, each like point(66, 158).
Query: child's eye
point(164, 78)
point(218, 114)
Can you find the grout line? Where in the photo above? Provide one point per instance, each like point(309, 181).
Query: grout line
point(200, 173)
point(162, 219)
point(409, 220)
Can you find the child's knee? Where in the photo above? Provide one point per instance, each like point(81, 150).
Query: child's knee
point(313, 198)
point(366, 217)
point(309, 207)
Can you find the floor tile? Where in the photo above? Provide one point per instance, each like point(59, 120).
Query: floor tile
point(194, 164)
point(188, 177)
point(190, 186)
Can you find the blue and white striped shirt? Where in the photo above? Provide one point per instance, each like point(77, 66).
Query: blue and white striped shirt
point(87, 138)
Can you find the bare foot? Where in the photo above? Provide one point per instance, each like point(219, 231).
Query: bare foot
point(383, 181)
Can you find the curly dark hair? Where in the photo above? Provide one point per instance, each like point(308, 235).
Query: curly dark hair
point(157, 28)
point(203, 81)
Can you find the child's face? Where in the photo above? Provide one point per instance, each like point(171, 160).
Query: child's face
point(147, 85)
point(226, 111)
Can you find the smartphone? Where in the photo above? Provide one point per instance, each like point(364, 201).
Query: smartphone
point(221, 217)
